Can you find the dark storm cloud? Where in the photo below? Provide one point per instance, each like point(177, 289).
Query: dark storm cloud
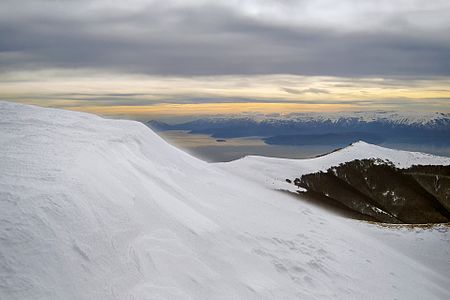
point(210, 39)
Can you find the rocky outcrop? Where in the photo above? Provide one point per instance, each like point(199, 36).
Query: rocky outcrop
point(435, 180)
point(376, 188)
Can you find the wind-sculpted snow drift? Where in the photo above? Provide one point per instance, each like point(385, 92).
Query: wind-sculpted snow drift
point(92, 208)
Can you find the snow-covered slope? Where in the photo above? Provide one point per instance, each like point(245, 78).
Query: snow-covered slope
point(273, 172)
point(92, 208)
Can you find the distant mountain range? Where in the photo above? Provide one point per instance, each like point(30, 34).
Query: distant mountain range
point(317, 129)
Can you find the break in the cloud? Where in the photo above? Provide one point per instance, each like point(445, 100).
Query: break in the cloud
point(306, 91)
point(143, 57)
point(163, 96)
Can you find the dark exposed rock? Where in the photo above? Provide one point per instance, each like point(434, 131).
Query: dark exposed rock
point(435, 180)
point(334, 206)
point(420, 194)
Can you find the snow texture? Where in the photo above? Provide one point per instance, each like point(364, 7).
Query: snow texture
point(273, 172)
point(92, 208)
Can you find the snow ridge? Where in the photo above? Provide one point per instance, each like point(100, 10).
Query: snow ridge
point(274, 171)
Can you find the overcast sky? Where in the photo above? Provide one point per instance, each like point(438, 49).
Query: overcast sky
point(408, 39)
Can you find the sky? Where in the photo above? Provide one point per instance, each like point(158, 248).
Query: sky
point(146, 59)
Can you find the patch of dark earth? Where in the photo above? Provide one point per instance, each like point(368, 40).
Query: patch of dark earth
point(375, 190)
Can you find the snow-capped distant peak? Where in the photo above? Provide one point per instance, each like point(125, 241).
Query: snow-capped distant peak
point(393, 117)
point(406, 118)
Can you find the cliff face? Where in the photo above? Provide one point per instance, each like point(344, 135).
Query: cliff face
point(375, 188)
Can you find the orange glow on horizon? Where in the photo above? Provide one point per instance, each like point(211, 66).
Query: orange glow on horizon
point(190, 109)
point(141, 95)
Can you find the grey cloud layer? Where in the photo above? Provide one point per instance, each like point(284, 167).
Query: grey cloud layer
point(232, 37)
